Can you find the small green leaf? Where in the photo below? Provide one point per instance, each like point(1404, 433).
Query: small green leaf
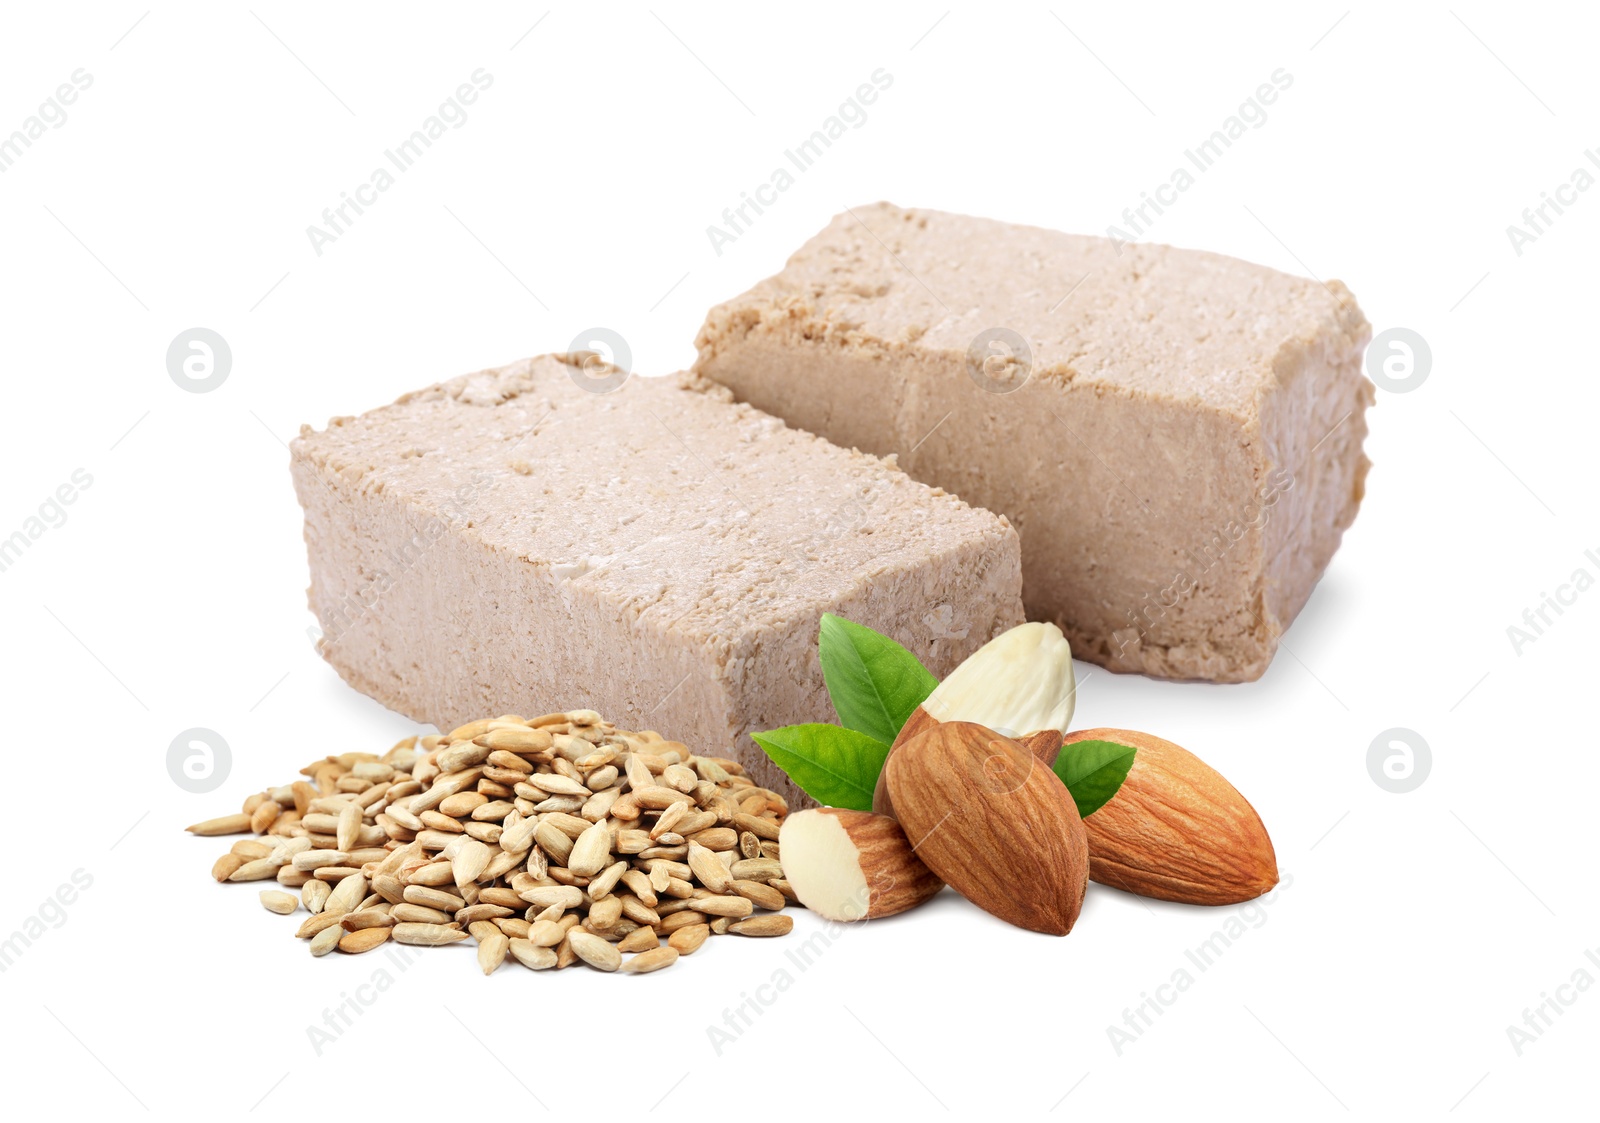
point(875, 683)
point(1093, 771)
point(836, 767)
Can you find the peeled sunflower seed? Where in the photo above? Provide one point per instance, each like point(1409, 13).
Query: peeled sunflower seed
point(326, 940)
point(772, 925)
point(363, 939)
point(315, 894)
point(261, 869)
point(594, 951)
point(689, 938)
point(653, 960)
point(553, 842)
point(427, 935)
point(225, 824)
point(640, 939)
point(492, 951)
point(279, 902)
point(533, 956)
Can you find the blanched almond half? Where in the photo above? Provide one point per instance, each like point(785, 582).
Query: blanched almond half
point(1018, 683)
point(853, 865)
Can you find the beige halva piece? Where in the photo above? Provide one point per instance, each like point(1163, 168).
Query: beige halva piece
point(1180, 447)
point(511, 542)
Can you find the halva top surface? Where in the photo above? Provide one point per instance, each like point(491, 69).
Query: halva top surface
point(663, 496)
point(1146, 319)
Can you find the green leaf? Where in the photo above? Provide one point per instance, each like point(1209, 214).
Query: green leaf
point(875, 683)
point(836, 767)
point(1093, 771)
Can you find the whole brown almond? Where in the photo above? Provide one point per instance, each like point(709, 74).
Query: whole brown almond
point(1176, 830)
point(991, 820)
point(1044, 744)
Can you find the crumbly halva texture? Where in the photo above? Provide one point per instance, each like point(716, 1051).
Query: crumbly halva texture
point(511, 541)
point(1179, 446)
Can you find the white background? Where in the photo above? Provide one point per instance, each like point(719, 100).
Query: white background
point(1417, 927)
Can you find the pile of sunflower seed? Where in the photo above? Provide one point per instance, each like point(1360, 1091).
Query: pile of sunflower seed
point(551, 841)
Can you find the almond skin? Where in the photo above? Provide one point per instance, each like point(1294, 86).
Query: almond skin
point(920, 721)
point(1044, 744)
point(1176, 830)
point(994, 822)
point(853, 865)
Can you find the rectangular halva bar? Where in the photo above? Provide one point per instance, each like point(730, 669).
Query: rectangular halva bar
point(1176, 435)
point(513, 542)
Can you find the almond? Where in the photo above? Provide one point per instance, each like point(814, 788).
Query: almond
point(1176, 830)
point(853, 865)
point(1020, 684)
point(990, 819)
point(1045, 745)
